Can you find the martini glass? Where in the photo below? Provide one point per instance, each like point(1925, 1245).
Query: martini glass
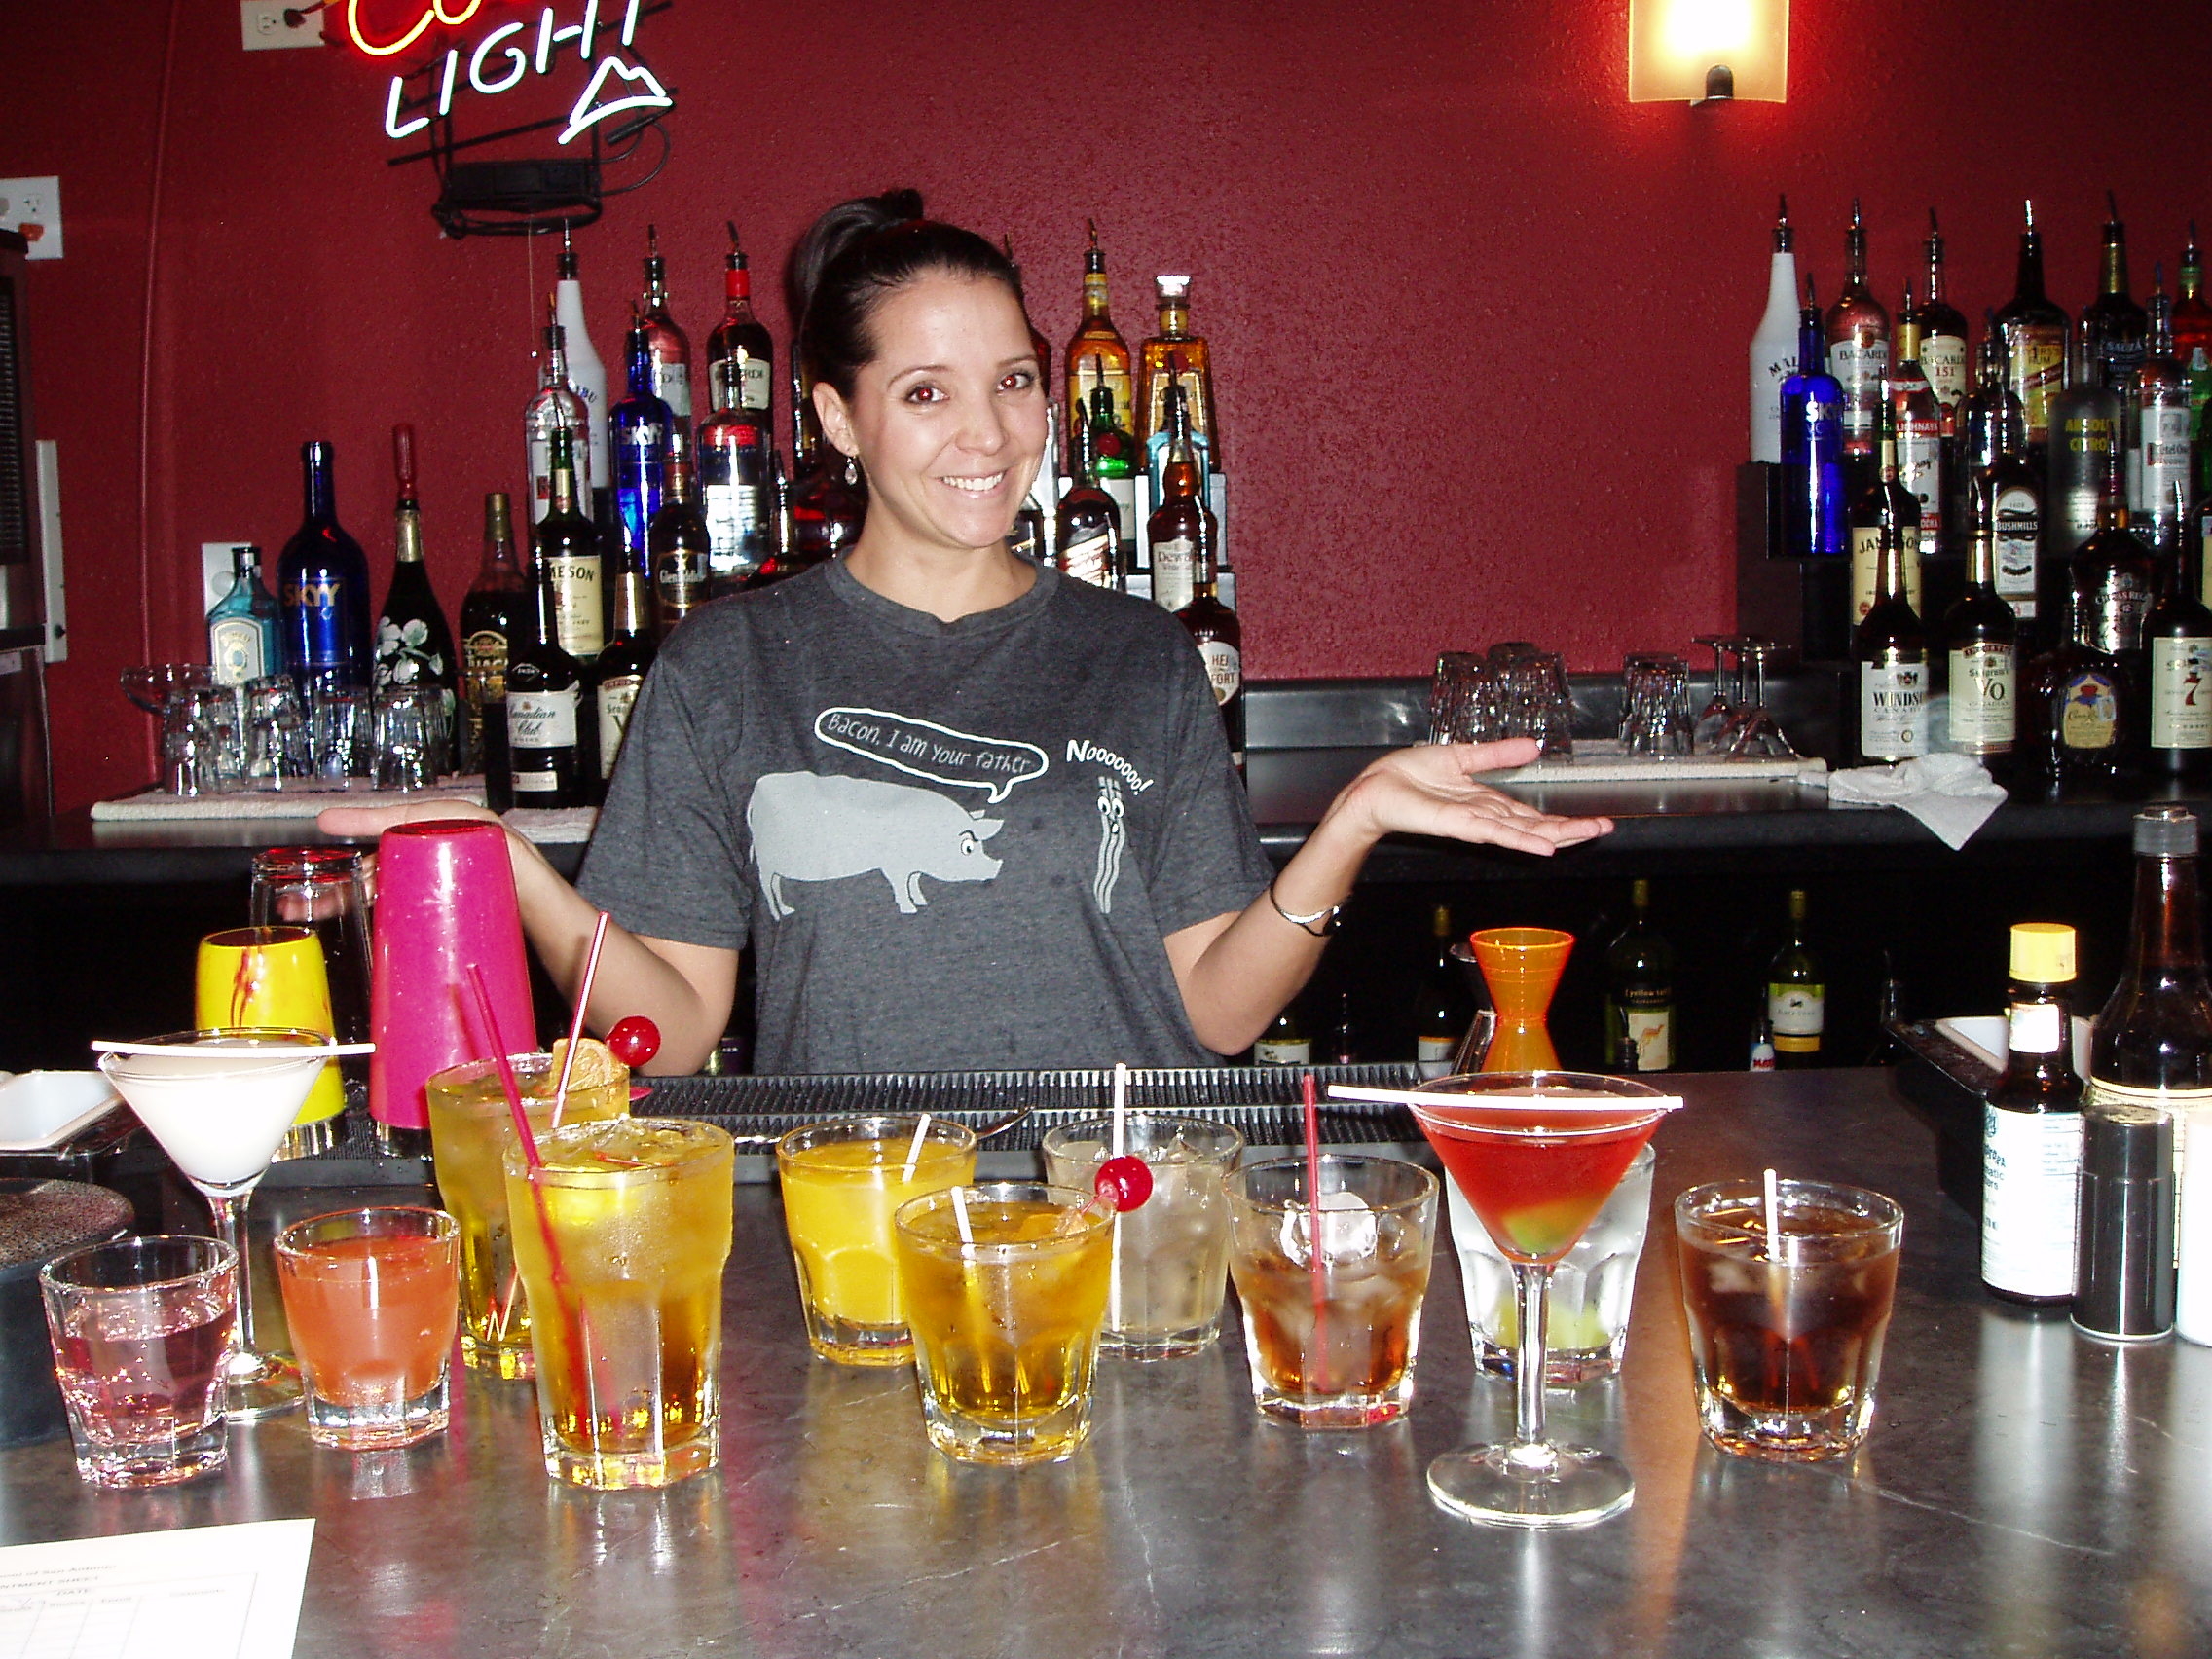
point(1537, 1153)
point(220, 1101)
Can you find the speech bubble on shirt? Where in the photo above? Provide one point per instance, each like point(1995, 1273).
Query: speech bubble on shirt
point(923, 748)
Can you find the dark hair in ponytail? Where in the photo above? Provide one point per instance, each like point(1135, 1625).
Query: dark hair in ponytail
point(859, 252)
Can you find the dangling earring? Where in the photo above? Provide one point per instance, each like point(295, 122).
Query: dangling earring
point(852, 472)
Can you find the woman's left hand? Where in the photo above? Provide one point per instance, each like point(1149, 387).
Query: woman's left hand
point(1431, 789)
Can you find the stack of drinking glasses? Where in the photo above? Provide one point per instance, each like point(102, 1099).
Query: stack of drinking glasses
point(1511, 690)
point(268, 736)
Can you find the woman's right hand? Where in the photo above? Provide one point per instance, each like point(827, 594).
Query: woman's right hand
point(358, 822)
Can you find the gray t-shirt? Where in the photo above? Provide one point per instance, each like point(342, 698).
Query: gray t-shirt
point(952, 845)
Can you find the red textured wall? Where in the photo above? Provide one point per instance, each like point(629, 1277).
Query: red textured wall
point(1480, 323)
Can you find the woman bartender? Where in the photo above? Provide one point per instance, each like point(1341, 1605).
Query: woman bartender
point(966, 812)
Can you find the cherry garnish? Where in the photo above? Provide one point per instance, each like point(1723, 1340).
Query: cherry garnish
point(634, 1041)
point(1123, 1183)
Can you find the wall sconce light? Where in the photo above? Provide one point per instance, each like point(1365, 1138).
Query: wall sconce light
point(1706, 50)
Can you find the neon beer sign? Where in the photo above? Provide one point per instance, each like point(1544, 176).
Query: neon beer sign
point(503, 57)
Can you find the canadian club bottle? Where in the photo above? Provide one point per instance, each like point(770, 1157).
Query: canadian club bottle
point(1097, 356)
point(1442, 1008)
point(1176, 528)
point(2034, 342)
point(741, 357)
point(1919, 432)
point(1892, 652)
point(1858, 348)
point(1219, 637)
point(1982, 650)
point(1943, 341)
point(322, 585)
point(548, 740)
point(669, 347)
point(1796, 995)
point(1089, 527)
point(2031, 1127)
point(1883, 507)
point(2085, 441)
point(493, 614)
point(682, 546)
point(1639, 992)
point(414, 646)
point(1815, 516)
point(2178, 640)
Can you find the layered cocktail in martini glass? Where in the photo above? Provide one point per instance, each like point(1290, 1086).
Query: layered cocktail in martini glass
point(1537, 1153)
point(220, 1102)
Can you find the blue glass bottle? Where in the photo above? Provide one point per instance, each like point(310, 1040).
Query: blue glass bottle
point(322, 583)
point(638, 431)
point(1813, 507)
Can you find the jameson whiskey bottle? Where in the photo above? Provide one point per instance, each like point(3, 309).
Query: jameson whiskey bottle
point(1859, 347)
point(2034, 342)
point(2031, 1127)
point(1796, 995)
point(1443, 1009)
point(1981, 650)
point(1883, 507)
point(1639, 992)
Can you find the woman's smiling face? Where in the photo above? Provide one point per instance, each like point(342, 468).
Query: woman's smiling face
point(950, 417)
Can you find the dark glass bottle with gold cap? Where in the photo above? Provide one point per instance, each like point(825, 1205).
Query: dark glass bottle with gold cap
point(1884, 505)
point(1891, 649)
point(2034, 342)
point(2153, 1043)
point(2031, 1127)
point(1981, 650)
point(1219, 636)
point(493, 614)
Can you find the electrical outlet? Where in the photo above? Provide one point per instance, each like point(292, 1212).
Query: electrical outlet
point(215, 571)
point(33, 206)
point(267, 29)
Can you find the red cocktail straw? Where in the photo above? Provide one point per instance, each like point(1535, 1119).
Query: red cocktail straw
point(1316, 1270)
point(530, 1152)
point(576, 1024)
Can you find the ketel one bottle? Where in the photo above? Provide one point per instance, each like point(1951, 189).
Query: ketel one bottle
point(2031, 1127)
point(1981, 650)
point(1892, 653)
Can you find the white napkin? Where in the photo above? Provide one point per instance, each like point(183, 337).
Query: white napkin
point(1953, 794)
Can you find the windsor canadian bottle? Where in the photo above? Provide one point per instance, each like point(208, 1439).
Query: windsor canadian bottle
point(2031, 1127)
point(1891, 650)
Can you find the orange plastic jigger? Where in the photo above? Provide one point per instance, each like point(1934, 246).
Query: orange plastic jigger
point(1522, 967)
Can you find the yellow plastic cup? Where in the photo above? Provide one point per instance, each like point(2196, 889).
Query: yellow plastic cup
point(263, 976)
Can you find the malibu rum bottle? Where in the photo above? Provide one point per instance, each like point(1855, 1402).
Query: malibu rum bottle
point(2031, 1127)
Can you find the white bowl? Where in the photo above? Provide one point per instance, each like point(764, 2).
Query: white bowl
point(42, 1109)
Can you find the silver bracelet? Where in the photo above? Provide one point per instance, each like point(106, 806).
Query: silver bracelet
point(1327, 917)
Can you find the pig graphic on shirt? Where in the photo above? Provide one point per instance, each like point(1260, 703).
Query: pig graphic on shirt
point(808, 827)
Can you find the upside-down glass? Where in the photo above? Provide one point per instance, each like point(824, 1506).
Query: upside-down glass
point(140, 1328)
point(842, 1182)
point(338, 735)
point(1006, 1291)
point(1786, 1344)
point(1462, 699)
point(369, 1296)
point(1713, 728)
point(1756, 735)
point(471, 1134)
point(1171, 1252)
point(1537, 1153)
point(277, 754)
point(621, 1238)
point(1331, 1341)
point(274, 976)
point(323, 890)
point(404, 735)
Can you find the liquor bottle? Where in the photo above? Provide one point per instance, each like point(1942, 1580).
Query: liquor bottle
point(641, 431)
point(2192, 312)
point(1981, 648)
point(2071, 701)
point(737, 494)
point(1174, 529)
point(1892, 653)
point(2031, 1127)
point(1035, 524)
point(1443, 1007)
point(570, 563)
point(670, 348)
point(1340, 1043)
point(2034, 342)
point(2115, 580)
point(554, 408)
point(620, 670)
point(1176, 356)
point(1796, 995)
point(493, 614)
point(1858, 348)
point(2113, 324)
point(587, 377)
point(1089, 543)
point(414, 646)
point(1761, 1058)
point(1883, 506)
point(548, 752)
point(322, 586)
point(1218, 635)
point(1815, 519)
point(1942, 339)
point(2084, 442)
point(1284, 1043)
point(741, 357)
point(824, 500)
point(1097, 356)
point(2178, 638)
point(1995, 430)
point(2151, 1044)
point(1920, 431)
point(243, 640)
point(1639, 992)
point(1114, 466)
point(2158, 471)
point(682, 540)
point(1775, 353)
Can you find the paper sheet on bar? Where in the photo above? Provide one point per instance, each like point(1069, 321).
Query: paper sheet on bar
point(194, 1593)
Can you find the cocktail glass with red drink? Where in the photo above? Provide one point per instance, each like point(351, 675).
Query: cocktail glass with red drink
point(1537, 1153)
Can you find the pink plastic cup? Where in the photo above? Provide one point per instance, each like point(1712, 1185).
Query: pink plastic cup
point(445, 901)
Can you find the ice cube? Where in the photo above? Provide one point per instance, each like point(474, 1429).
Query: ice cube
point(1347, 1230)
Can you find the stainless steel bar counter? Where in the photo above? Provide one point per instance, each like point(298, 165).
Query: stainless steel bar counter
point(2026, 1491)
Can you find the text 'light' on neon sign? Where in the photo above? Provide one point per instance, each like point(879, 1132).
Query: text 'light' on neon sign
point(499, 62)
